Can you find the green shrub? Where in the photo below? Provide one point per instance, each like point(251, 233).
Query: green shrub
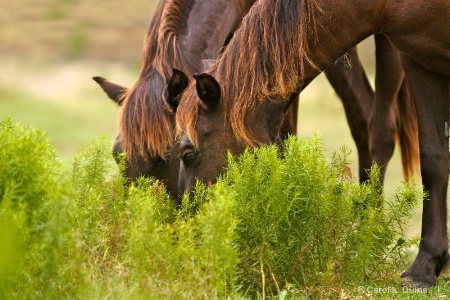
point(177, 255)
point(277, 224)
point(29, 189)
point(301, 222)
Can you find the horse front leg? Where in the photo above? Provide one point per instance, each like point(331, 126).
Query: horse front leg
point(430, 93)
point(350, 82)
point(382, 124)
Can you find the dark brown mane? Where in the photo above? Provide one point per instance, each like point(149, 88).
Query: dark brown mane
point(265, 59)
point(146, 124)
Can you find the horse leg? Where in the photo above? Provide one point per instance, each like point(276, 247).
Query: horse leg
point(382, 125)
point(353, 87)
point(430, 93)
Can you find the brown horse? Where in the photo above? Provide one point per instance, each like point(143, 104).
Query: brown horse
point(175, 40)
point(281, 46)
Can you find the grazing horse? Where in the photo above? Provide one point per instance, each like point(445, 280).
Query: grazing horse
point(176, 39)
point(281, 46)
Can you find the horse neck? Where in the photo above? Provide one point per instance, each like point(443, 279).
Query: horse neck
point(208, 24)
point(267, 120)
point(340, 26)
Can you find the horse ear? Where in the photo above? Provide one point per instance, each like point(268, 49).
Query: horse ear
point(114, 91)
point(208, 89)
point(177, 84)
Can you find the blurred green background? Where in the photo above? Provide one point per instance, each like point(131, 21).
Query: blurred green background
point(50, 49)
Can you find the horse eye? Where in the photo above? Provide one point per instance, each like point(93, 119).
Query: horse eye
point(159, 161)
point(189, 157)
point(168, 156)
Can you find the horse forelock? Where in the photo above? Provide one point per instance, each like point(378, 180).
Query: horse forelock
point(147, 123)
point(187, 113)
point(161, 48)
point(265, 59)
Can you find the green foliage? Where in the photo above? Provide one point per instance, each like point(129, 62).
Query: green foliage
point(277, 224)
point(304, 222)
point(29, 188)
point(27, 174)
point(179, 255)
point(77, 232)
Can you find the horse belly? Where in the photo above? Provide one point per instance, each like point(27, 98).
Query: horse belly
point(431, 54)
point(420, 28)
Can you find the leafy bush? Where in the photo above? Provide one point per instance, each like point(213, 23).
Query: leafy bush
point(306, 223)
point(277, 224)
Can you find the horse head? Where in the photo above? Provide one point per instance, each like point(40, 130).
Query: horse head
point(204, 147)
point(164, 168)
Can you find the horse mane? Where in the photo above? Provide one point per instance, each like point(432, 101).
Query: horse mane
point(264, 60)
point(146, 125)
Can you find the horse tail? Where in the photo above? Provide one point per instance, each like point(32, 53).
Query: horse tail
point(407, 132)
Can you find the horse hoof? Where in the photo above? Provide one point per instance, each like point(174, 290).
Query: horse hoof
point(411, 282)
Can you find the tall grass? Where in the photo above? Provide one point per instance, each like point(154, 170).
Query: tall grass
point(278, 224)
point(304, 222)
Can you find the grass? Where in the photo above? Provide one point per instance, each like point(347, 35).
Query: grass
point(69, 125)
point(272, 228)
